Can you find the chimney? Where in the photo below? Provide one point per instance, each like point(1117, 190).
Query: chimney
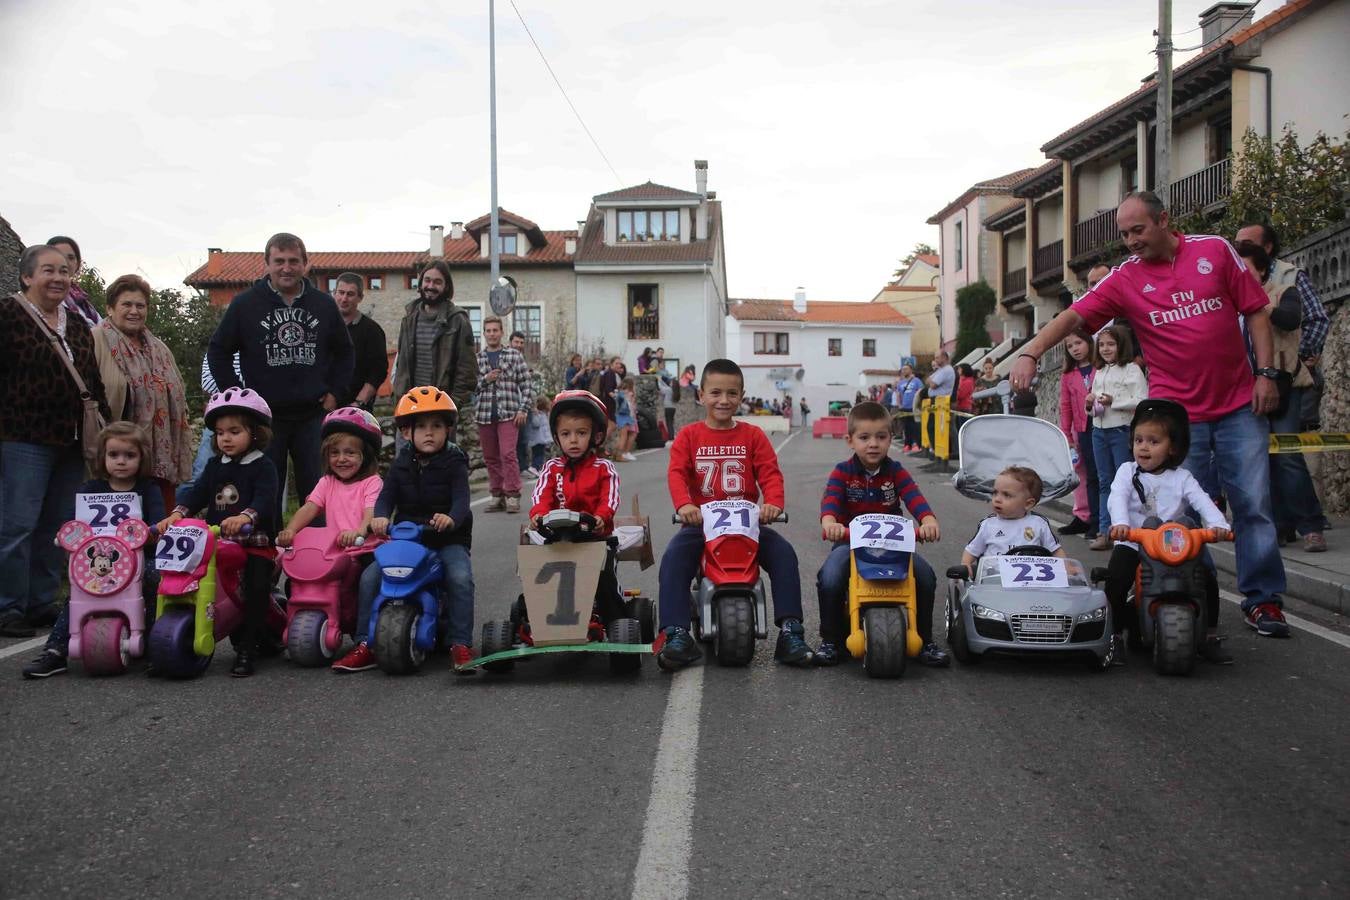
point(799, 300)
point(570, 246)
point(1223, 20)
point(581, 228)
point(437, 241)
point(701, 176)
point(456, 230)
point(214, 260)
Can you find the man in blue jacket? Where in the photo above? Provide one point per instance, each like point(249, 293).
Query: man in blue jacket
point(293, 349)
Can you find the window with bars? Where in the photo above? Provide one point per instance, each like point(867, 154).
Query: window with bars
point(869, 347)
point(836, 347)
point(530, 321)
point(643, 320)
point(649, 225)
point(771, 342)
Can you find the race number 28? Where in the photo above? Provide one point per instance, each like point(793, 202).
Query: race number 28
point(109, 515)
point(565, 612)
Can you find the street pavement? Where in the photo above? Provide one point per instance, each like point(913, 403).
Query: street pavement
point(1018, 778)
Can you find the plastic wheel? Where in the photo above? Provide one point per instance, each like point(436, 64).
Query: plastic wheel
point(735, 641)
point(884, 628)
point(304, 640)
point(624, 631)
point(1174, 639)
point(170, 645)
point(498, 636)
point(103, 642)
point(956, 636)
point(396, 648)
point(642, 609)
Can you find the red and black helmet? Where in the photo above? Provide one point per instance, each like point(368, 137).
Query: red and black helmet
point(581, 403)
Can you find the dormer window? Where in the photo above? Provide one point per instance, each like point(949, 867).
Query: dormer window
point(649, 225)
point(506, 244)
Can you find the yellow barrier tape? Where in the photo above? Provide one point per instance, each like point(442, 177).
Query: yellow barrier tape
point(1308, 442)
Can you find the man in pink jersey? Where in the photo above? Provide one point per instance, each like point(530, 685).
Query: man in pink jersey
point(1188, 299)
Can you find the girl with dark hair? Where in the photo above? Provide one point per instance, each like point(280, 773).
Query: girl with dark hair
point(1117, 387)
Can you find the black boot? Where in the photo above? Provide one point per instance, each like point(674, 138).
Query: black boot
point(243, 663)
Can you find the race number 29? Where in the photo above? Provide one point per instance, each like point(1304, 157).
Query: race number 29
point(180, 549)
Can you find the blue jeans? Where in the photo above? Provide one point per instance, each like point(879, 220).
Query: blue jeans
point(832, 595)
point(37, 497)
point(456, 598)
point(1291, 488)
point(1239, 447)
point(198, 464)
point(1110, 451)
point(684, 553)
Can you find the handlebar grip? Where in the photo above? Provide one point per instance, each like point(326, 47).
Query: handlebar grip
point(675, 519)
point(360, 540)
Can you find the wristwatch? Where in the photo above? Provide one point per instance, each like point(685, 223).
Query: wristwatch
point(1268, 372)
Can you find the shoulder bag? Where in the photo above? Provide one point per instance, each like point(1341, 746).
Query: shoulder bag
point(93, 422)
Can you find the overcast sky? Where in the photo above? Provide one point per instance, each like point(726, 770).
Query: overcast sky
point(152, 130)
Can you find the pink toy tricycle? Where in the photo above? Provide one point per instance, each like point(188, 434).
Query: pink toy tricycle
point(107, 606)
point(323, 580)
point(199, 602)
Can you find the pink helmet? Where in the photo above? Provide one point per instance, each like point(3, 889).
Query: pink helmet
point(354, 420)
point(236, 400)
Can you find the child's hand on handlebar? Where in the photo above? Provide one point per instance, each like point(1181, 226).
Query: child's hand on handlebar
point(536, 521)
point(690, 514)
point(379, 525)
point(440, 522)
point(232, 526)
point(166, 523)
point(768, 512)
point(285, 537)
point(833, 531)
point(928, 530)
point(348, 538)
point(1223, 534)
point(1119, 533)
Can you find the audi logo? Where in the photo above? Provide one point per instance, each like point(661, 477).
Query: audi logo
point(1042, 609)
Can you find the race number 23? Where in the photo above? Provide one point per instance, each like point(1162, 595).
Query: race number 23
point(729, 473)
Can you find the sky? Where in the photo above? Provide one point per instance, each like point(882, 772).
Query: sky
point(151, 131)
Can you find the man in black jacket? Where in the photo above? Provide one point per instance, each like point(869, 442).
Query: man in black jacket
point(293, 350)
point(368, 341)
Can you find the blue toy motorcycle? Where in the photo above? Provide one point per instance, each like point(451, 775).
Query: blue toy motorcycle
point(404, 616)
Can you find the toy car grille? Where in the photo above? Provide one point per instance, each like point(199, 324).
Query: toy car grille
point(1035, 628)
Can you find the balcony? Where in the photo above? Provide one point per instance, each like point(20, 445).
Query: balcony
point(1201, 190)
point(1093, 235)
point(1047, 263)
point(1015, 282)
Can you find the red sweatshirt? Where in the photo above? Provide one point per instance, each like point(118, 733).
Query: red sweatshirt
point(708, 464)
point(588, 484)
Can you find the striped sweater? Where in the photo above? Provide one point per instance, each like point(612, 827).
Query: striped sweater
point(852, 491)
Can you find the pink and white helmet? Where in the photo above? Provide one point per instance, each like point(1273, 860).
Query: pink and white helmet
point(354, 420)
point(236, 400)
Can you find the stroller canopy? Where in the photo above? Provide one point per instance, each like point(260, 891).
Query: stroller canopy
point(989, 444)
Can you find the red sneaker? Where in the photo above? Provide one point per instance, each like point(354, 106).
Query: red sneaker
point(1268, 620)
point(461, 655)
point(358, 660)
point(595, 632)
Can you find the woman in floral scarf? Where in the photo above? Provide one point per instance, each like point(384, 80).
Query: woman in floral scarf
point(143, 383)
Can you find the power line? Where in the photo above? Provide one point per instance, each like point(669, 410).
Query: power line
point(563, 91)
point(1241, 21)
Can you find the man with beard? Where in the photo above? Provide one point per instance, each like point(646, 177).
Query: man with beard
point(372, 359)
point(435, 340)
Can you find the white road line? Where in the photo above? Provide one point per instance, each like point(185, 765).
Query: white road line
point(23, 647)
point(667, 834)
point(790, 436)
point(1294, 621)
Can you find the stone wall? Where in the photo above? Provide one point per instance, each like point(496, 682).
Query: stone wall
point(11, 248)
point(1335, 467)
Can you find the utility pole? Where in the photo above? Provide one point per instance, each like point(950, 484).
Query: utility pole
point(1162, 155)
point(494, 247)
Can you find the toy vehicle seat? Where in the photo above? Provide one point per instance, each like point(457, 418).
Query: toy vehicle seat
point(989, 444)
point(314, 555)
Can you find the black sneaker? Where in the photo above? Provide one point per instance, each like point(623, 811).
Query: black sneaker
point(12, 624)
point(826, 654)
point(935, 656)
point(1077, 526)
point(1211, 651)
point(243, 664)
point(678, 649)
point(48, 663)
point(792, 648)
point(45, 617)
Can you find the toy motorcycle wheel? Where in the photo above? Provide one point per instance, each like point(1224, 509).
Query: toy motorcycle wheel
point(884, 628)
point(1174, 639)
point(171, 650)
point(396, 648)
point(103, 640)
point(734, 644)
point(304, 639)
point(498, 636)
point(624, 631)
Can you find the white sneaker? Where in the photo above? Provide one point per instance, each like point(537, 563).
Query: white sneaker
point(628, 457)
point(531, 472)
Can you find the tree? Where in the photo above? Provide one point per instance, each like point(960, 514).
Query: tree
point(974, 303)
point(920, 249)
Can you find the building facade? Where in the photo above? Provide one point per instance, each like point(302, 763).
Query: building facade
point(916, 296)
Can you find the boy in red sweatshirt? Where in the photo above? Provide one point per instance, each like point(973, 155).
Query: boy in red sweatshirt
point(721, 459)
point(582, 482)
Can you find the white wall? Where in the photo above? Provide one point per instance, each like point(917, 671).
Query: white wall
point(952, 279)
point(1098, 187)
point(1188, 147)
point(1311, 82)
point(1049, 220)
point(687, 330)
point(1017, 250)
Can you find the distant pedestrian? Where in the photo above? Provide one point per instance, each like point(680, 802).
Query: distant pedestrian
point(505, 396)
point(77, 301)
point(368, 343)
point(907, 393)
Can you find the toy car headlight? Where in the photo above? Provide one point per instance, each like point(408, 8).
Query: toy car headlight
point(1095, 616)
point(398, 571)
point(985, 612)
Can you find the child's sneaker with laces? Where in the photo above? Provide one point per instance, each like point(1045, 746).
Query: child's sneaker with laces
point(677, 648)
point(935, 656)
point(358, 659)
point(792, 648)
point(48, 663)
point(827, 654)
point(461, 655)
point(1268, 620)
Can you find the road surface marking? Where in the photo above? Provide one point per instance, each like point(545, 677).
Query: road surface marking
point(667, 834)
point(23, 647)
point(779, 448)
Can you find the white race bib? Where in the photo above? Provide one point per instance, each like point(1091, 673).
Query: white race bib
point(879, 531)
point(723, 517)
point(181, 548)
point(1033, 572)
point(104, 512)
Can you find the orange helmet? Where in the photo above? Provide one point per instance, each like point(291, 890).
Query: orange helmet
point(426, 399)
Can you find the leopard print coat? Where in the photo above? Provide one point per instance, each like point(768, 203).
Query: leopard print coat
point(39, 403)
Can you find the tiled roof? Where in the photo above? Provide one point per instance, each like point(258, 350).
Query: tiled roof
point(504, 217)
point(1292, 8)
point(931, 259)
point(649, 190)
point(818, 312)
point(1040, 180)
point(236, 267)
point(467, 251)
point(911, 288)
point(1000, 185)
point(593, 250)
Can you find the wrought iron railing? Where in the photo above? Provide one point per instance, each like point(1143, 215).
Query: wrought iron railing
point(1047, 259)
point(1094, 233)
point(1200, 190)
point(1015, 282)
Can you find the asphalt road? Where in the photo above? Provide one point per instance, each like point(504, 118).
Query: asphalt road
point(1033, 779)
